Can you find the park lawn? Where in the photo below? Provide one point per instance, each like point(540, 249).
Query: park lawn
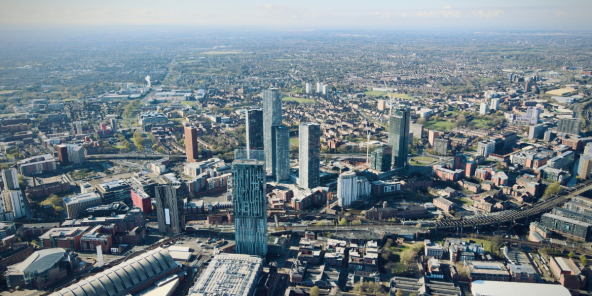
point(480, 123)
point(299, 100)
point(7, 92)
point(374, 93)
point(422, 161)
point(440, 125)
point(561, 91)
point(294, 141)
point(222, 52)
point(190, 103)
point(400, 96)
point(486, 244)
point(461, 201)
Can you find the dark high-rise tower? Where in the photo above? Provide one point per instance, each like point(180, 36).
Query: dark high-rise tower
point(399, 123)
point(191, 147)
point(170, 210)
point(250, 207)
point(272, 116)
point(280, 143)
point(309, 155)
point(254, 128)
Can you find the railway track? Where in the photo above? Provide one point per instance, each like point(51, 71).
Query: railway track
point(511, 215)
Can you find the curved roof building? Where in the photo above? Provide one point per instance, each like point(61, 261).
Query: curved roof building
point(126, 277)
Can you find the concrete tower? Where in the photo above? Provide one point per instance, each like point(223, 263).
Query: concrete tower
point(170, 210)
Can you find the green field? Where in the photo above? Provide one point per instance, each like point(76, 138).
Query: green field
point(294, 141)
point(375, 93)
point(422, 160)
point(299, 100)
point(222, 52)
point(440, 125)
point(561, 91)
point(190, 103)
point(480, 123)
point(7, 92)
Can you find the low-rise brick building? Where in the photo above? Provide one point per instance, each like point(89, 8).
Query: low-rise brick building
point(67, 238)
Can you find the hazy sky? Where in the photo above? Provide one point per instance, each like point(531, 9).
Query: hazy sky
point(306, 14)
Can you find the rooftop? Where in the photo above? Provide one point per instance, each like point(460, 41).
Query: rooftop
point(120, 279)
point(41, 260)
point(84, 197)
point(494, 288)
point(228, 274)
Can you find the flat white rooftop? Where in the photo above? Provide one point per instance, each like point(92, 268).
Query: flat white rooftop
point(494, 288)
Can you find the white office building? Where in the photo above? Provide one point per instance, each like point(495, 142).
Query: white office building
point(14, 201)
point(319, 87)
point(347, 188)
point(484, 108)
point(308, 88)
point(485, 148)
point(494, 104)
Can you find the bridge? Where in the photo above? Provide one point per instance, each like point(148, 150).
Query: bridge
point(512, 215)
point(492, 219)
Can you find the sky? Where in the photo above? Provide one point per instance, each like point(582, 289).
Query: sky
point(304, 14)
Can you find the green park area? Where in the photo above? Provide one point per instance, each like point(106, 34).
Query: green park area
point(299, 100)
point(294, 141)
point(422, 160)
point(222, 52)
point(7, 92)
point(439, 125)
point(190, 103)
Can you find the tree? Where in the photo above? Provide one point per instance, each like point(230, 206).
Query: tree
point(571, 254)
point(552, 189)
point(314, 291)
point(342, 222)
point(584, 259)
point(399, 293)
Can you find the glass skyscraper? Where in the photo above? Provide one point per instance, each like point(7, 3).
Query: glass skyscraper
point(272, 116)
point(280, 143)
point(309, 155)
point(254, 129)
point(399, 123)
point(250, 207)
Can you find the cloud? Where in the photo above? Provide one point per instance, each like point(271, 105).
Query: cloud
point(438, 13)
point(265, 6)
point(447, 7)
point(379, 14)
point(488, 13)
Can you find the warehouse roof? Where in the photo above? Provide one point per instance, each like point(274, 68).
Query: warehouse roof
point(41, 260)
point(495, 288)
point(120, 279)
